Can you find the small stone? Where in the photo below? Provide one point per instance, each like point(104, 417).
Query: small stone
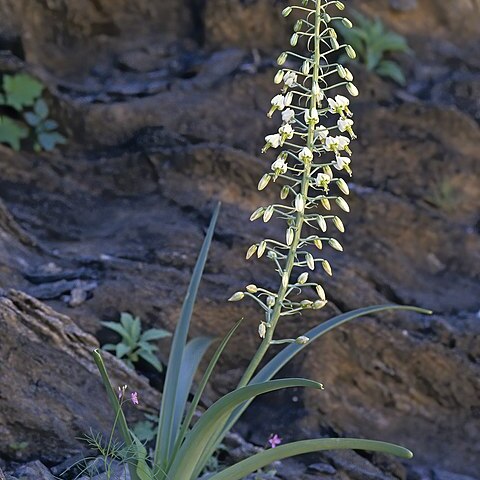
point(34, 471)
point(322, 468)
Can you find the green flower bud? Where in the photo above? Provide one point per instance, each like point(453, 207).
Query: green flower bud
point(340, 5)
point(262, 330)
point(306, 67)
point(252, 288)
point(332, 32)
point(299, 203)
point(318, 304)
point(290, 236)
point(284, 192)
point(236, 297)
point(347, 22)
point(348, 75)
point(251, 251)
point(268, 213)
point(302, 278)
point(322, 224)
point(294, 39)
point(342, 204)
point(339, 224)
point(264, 181)
point(282, 58)
point(285, 279)
point(279, 77)
point(298, 26)
point(328, 171)
point(310, 261)
point(350, 52)
point(352, 89)
point(342, 185)
point(341, 71)
point(326, 203)
point(326, 266)
point(257, 214)
point(335, 244)
point(287, 11)
point(321, 292)
point(334, 43)
point(318, 243)
point(261, 248)
point(270, 301)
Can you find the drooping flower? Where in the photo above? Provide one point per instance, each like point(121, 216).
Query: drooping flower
point(290, 79)
point(305, 155)
point(134, 398)
point(288, 115)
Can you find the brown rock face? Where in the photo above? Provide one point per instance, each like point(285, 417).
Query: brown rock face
point(164, 106)
point(51, 392)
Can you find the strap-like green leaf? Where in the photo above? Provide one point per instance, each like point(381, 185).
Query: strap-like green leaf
point(121, 420)
point(201, 388)
point(165, 431)
point(186, 462)
point(193, 354)
point(249, 465)
point(283, 357)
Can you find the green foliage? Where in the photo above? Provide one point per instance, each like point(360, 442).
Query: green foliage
point(373, 42)
point(135, 344)
point(22, 93)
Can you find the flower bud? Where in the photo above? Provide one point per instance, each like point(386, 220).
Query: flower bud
point(287, 11)
point(327, 17)
point(251, 288)
point(257, 214)
point(326, 203)
point(290, 236)
point(302, 340)
point(285, 279)
point(261, 248)
point(279, 77)
point(352, 89)
point(342, 185)
point(236, 297)
point(299, 203)
point(306, 67)
point(262, 330)
point(321, 292)
point(284, 192)
point(347, 22)
point(298, 25)
point(270, 301)
point(294, 40)
point(318, 304)
point(322, 224)
point(348, 75)
point(318, 243)
point(341, 71)
point(302, 278)
point(326, 266)
point(282, 58)
point(339, 224)
point(350, 52)
point(334, 43)
point(335, 244)
point(268, 213)
point(264, 181)
point(342, 204)
point(328, 171)
point(251, 251)
point(340, 5)
point(310, 261)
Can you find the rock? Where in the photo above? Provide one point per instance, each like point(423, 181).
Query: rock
point(34, 471)
point(403, 5)
point(49, 381)
point(322, 468)
point(444, 475)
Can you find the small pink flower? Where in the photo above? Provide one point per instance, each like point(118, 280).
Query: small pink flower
point(134, 398)
point(274, 440)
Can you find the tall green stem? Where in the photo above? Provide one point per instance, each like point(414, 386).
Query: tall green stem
point(299, 219)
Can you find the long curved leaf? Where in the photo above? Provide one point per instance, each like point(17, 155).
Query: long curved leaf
point(249, 465)
point(165, 431)
point(214, 418)
point(193, 354)
point(201, 388)
point(284, 356)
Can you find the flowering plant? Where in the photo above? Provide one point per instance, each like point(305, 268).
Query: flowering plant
point(314, 152)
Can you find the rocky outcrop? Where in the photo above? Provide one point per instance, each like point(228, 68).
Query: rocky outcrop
point(51, 392)
point(163, 124)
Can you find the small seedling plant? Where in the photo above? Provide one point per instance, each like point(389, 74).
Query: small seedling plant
point(135, 344)
point(312, 165)
point(24, 114)
point(374, 44)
